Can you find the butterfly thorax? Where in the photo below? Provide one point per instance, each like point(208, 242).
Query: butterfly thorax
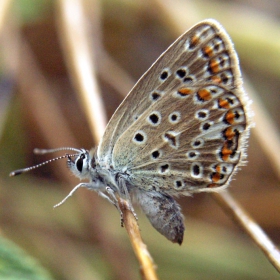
point(87, 166)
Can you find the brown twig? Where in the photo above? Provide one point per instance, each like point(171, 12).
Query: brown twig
point(147, 265)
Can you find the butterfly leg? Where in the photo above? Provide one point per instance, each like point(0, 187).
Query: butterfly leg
point(128, 198)
point(112, 198)
point(106, 197)
point(81, 185)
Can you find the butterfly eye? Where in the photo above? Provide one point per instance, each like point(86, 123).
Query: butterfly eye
point(80, 162)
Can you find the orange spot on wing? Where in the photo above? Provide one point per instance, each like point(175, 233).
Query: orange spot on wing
point(223, 103)
point(216, 79)
point(208, 51)
point(194, 41)
point(230, 117)
point(185, 91)
point(204, 94)
point(214, 66)
point(216, 177)
point(229, 133)
point(218, 168)
point(226, 152)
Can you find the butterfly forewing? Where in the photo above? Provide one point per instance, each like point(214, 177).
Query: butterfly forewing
point(183, 125)
point(136, 102)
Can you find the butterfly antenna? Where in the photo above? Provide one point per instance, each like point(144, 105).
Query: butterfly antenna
point(23, 170)
point(48, 151)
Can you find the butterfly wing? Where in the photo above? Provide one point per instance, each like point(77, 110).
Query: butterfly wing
point(184, 125)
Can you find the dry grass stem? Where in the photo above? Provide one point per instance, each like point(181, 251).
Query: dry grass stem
point(75, 36)
point(246, 222)
point(266, 130)
point(35, 92)
point(120, 81)
point(4, 12)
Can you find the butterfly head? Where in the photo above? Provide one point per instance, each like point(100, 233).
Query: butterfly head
point(81, 164)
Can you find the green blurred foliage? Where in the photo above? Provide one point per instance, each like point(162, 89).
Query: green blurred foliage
point(15, 264)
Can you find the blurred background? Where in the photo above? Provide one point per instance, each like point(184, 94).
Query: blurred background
point(41, 106)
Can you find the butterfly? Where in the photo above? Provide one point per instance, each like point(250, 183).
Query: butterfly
point(182, 129)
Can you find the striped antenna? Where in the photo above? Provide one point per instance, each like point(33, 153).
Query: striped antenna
point(46, 151)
